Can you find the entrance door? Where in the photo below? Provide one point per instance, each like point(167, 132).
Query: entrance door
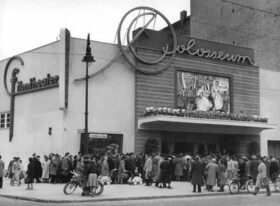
point(183, 147)
point(274, 148)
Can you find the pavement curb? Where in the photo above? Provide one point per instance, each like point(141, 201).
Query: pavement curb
point(121, 199)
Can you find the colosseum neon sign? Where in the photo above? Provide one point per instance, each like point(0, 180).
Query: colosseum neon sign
point(201, 52)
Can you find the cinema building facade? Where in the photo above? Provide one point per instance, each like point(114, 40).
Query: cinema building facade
point(208, 99)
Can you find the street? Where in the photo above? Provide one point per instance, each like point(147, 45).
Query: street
point(229, 200)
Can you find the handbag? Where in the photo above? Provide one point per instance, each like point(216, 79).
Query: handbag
point(21, 175)
point(27, 180)
point(264, 182)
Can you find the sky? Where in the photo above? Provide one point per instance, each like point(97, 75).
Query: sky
point(28, 24)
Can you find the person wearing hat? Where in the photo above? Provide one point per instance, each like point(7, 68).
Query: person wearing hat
point(254, 168)
point(242, 171)
point(197, 172)
point(262, 177)
point(37, 167)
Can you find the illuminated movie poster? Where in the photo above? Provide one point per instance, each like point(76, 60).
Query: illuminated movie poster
point(203, 92)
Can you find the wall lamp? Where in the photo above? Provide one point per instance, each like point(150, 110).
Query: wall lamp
point(50, 130)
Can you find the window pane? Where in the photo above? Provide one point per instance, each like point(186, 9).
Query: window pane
point(8, 115)
point(8, 125)
point(2, 121)
point(2, 125)
point(2, 116)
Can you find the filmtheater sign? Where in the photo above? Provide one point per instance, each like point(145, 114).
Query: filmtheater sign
point(34, 85)
point(19, 87)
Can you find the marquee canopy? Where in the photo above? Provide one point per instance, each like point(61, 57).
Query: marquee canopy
point(182, 124)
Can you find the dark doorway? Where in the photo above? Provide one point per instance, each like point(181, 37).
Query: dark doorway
point(183, 147)
point(212, 148)
point(201, 149)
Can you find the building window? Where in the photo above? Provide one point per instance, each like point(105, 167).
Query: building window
point(4, 120)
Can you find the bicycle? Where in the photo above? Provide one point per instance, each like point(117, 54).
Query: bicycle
point(76, 181)
point(235, 185)
point(277, 184)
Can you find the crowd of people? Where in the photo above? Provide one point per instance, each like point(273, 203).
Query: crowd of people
point(209, 171)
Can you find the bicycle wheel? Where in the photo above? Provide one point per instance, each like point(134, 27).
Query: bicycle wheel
point(233, 187)
point(69, 188)
point(250, 186)
point(277, 185)
point(99, 188)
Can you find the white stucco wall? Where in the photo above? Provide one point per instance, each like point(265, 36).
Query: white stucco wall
point(34, 112)
point(111, 101)
point(111, 96)
point(269, 103)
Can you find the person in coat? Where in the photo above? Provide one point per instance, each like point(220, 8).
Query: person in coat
point(2, 167)
point(10, 168)
point(274, 170)
point(165, 173)
point(157, 160)
point(105, 167)
point(92, 173)
point(148, 166)
point(222, 180)
point(212, 171)
point(262, 174)
point(121, 169)
point(254, 168)
point(178, 162)
point(30, 173)
point(37, 168)
point(53, 168)
point(197, 172)
point(46, 169)
point(16, 168)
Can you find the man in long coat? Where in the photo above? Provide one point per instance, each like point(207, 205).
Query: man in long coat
point(212, 171)
point(197, 172)
point(254, 168)
point(37, 168)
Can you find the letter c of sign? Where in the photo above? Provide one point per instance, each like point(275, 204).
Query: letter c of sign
point(15, 71)
point(152, 12)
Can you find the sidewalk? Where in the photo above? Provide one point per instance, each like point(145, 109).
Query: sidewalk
point(53, 193)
